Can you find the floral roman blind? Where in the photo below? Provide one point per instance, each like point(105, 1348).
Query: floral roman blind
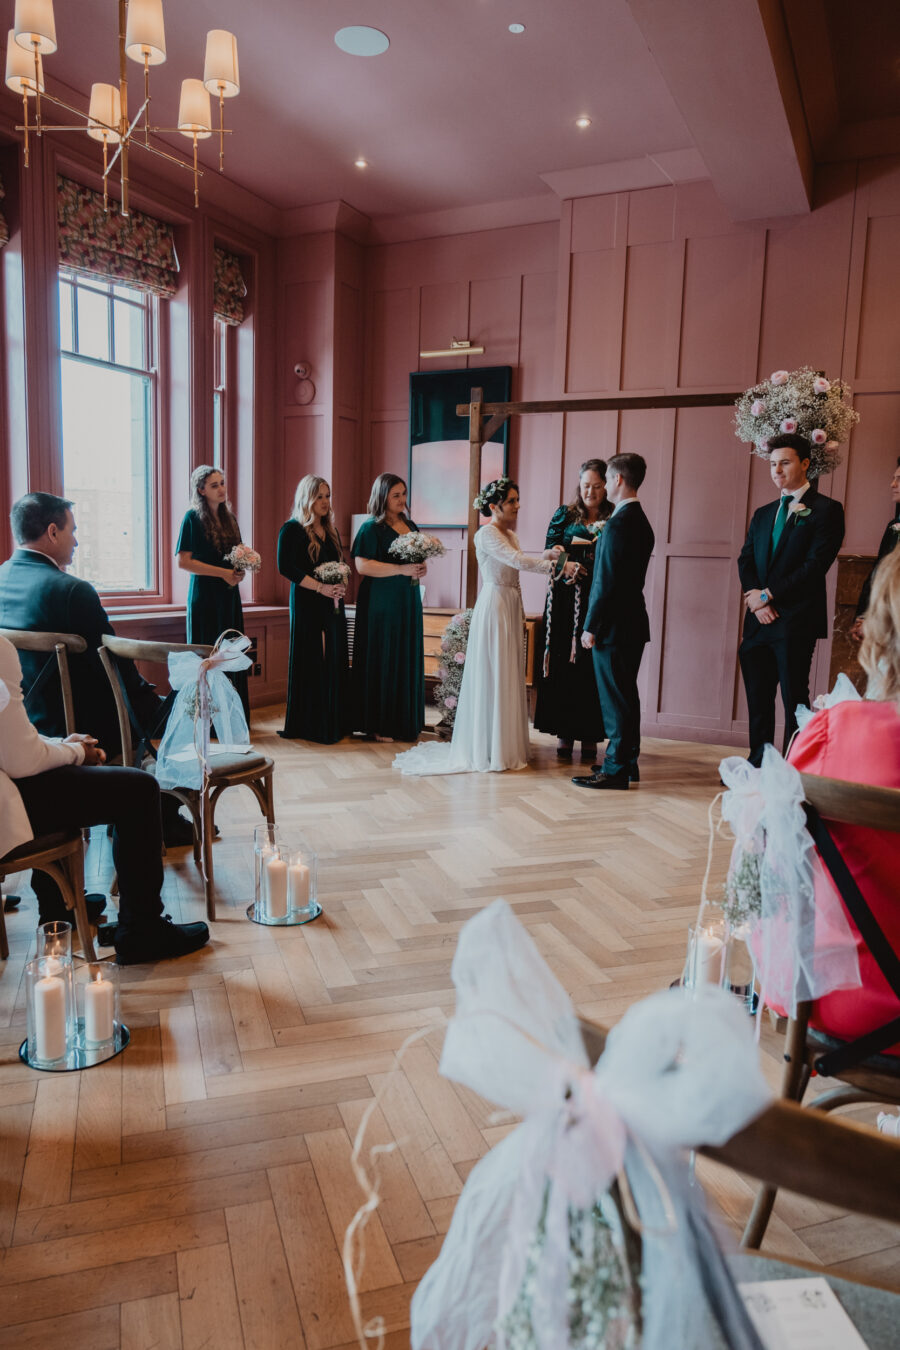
point(136, 249)
point(229, 287)
point(4, 228)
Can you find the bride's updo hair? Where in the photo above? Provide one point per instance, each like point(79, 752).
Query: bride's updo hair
point(494, 493)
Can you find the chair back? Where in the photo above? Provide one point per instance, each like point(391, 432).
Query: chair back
point(878, 808)
point(133, 649)
point(24, 640)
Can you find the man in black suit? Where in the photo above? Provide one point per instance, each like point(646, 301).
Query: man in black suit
point(889, 541)
point(616, 626)
point(790, 545)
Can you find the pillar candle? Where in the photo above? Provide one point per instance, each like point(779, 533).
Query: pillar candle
point(298, 883)
point(50, 1018)
point(708, 958)
point(276, 888)
point(99, 1003)
point(265, 853)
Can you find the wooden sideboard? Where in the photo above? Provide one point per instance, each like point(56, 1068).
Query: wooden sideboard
point(852, 570)
point(434, 621)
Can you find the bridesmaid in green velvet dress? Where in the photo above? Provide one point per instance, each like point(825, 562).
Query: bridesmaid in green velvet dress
point(318, 703)
point(208, 532)
point(388, 673)
point(568, 704)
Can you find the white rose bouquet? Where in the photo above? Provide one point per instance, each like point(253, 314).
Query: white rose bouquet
point(332, 574)
point(416, 547)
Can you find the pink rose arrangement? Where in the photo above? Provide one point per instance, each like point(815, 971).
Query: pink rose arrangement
point(757, 408)
point(243, 558)
point(779, 377)
point(460, 658)
point(818, 436)
point(797, 402)
point(821, 385)
point(789, 425)
point(451, 701)
point(450, 671)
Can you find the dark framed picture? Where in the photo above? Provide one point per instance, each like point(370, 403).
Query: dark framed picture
point(439, 442)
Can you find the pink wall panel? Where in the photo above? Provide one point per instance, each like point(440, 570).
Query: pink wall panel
point(588, 435)
point(348, 341)
point(693, 662)
point(720, 311)
point(307, 330)
point(878, 353)
point(392, 348)
point(304, 448)
point(647, 336)
point(871, 463)
point(595, 291)
point(443, 314)
point(536, 337)
point(389, 453)
point(495, 312)
point(594, 223)
point(651, 216)
point(704, 504)
point(649, 433)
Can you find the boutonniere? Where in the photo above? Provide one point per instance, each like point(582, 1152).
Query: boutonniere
point(799, 510)
point(595, 529)
point(896, 527)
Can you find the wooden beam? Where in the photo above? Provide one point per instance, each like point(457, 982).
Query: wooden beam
point(475, 443)
point(489, 428)
point(612, 403)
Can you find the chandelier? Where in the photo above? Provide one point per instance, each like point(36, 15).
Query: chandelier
point(142, 38)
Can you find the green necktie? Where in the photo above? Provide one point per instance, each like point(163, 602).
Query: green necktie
point(780, 521)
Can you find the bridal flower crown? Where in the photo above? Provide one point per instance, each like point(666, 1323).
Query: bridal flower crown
point(492, 493)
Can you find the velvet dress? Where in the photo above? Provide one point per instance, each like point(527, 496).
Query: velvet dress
point(212, 605)
point(318, 696)
point(388, 673)
point(567, 704)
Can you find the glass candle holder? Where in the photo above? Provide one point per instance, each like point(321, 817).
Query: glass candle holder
point(708, 954)
point(55, 939)
point(266, 842)
point(50, 1010)
point(97, 997)
point(303, 881)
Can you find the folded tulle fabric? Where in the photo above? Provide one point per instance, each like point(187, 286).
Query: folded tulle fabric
point(795, 924)
point(206, 698)
point(843, 692)
point(527, 1264)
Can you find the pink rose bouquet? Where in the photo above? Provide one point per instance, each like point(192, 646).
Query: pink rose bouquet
point(244, 559)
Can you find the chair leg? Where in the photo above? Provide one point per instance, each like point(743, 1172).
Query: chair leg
point(209, 887)
point(68, 873)
point(4, 940)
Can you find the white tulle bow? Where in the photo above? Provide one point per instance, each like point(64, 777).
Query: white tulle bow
point(228, 654)
point(678, 1071)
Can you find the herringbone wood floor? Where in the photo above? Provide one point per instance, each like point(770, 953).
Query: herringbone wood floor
point(195, 1191)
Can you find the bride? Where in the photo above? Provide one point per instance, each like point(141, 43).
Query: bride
point(490, 732)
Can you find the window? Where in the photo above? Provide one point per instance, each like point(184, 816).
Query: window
point(107, 341)
point(220, 390)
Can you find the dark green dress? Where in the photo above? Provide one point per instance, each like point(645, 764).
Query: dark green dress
point(388, 674)
point(568, 705)
point(318, 699)
point(212, 605)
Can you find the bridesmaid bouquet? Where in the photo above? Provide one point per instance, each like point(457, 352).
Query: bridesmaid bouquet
point(416, 547)
point(244, 559)
point(332, 574)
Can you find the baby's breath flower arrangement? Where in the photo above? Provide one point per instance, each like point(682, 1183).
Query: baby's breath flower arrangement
point(801, 401)
point(416, 547)
point(743, 895)
point(332, 574)
point(450, 671)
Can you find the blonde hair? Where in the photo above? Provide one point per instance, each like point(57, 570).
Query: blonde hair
point(220, 527)
point(879, 654)
point(306, 494)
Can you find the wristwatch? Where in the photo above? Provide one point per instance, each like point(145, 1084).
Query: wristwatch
point(764, 597)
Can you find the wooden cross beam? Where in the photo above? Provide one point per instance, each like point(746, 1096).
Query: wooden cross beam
point(487, 418)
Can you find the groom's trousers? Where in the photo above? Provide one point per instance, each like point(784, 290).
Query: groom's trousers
point(616, 671)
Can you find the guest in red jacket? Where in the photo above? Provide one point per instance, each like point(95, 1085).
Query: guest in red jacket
point(860, 742)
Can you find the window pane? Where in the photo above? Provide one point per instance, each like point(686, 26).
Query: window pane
point(217, 430)
point(129, 333)
point(66, 332)
point(107, 440)
point(93, 324)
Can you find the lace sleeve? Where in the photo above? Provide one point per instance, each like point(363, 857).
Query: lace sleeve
point(504, 548)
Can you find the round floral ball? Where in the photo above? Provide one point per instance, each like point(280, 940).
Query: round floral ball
point(802, 402)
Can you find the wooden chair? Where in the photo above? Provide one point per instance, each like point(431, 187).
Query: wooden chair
point(863, 1074)
point(252, 771)
point(60, 855)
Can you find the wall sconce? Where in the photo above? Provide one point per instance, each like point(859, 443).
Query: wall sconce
point(458, 347)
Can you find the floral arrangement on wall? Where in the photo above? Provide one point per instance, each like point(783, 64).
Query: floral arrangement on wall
point(450, 671)
point(800, 401)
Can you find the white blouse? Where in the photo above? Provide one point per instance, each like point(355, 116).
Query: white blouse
point(500, 558)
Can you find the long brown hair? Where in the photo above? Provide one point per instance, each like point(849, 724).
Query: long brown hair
point(879, 654)
point(379, 494)
point(306, 494)
point(220, 527)
point(576, 505)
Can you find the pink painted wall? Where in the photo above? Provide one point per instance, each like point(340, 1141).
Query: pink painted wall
point(648, 292)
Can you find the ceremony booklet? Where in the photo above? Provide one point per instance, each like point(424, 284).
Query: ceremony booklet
point(799, 1315)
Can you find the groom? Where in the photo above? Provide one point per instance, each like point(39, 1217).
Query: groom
point(616, 626)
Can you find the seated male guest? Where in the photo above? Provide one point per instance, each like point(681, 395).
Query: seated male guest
point(790, 546)
point(37, 594)
point(889, 541)
point(50, 785)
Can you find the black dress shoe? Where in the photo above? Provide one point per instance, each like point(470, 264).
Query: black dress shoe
point(95, 905)
point(158, 941)
point(177, 832)
point(564, 752)
point(634, 773)
point(617, 782)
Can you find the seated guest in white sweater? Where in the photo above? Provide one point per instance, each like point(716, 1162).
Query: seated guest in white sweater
point(48, 785)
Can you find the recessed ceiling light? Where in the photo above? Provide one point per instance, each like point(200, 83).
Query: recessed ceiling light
point(582, 122)
point(360, 41)
point(517, 28)
point(361, 163)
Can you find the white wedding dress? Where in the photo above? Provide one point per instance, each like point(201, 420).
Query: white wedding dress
point(490, 732)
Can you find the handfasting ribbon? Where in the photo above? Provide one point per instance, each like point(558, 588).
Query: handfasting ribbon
point(228, 653)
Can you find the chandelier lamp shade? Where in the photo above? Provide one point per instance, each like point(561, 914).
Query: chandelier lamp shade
point(142, 38)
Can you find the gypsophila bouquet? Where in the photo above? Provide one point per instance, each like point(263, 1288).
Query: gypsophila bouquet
point(244, 559)
point(332, 574)
point(801, 401)
point(743, 892)
point(416, 547)
point(452, 664)
point(603, 1292)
